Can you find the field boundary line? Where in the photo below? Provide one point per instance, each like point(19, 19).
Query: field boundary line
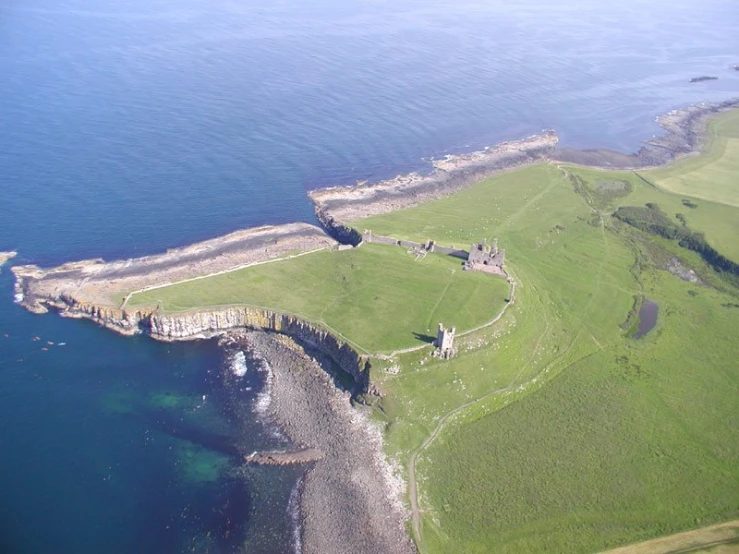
point(222, 272)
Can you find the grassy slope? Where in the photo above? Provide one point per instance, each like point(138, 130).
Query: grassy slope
point(612, 451)
point(712, 176)
point(633, 440)
point(377, 296)
point(717, 221)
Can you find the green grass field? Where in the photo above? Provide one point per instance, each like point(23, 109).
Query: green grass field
point(573, 437)
point(717, 221)
point(379, 297)
point(713, 175)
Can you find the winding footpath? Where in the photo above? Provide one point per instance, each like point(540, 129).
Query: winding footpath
point(412, 486)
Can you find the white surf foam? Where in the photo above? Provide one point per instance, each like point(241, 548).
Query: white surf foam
point(264, 397)
point(237, 363)
point(293, 512)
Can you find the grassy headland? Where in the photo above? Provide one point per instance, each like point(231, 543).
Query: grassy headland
point(379, 297)
point(552, 430)
point(713, 175)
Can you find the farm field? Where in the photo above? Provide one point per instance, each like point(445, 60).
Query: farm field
point(554, 431)
point(713, 175)
point(378, 297)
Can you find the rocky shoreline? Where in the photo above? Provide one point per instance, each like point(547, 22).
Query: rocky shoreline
point(337, 207)
point(351, 498)
point(82, 289)
point(685, 135)
point(105, 284)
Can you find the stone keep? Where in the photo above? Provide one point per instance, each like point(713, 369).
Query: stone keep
point(445, 341)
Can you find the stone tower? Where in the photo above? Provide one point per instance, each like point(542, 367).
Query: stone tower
point(445, 341)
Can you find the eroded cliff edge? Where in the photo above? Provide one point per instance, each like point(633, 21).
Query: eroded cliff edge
point(97, 290)
point(203, 324)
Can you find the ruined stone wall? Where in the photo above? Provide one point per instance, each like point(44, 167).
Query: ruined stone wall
point(380, 239)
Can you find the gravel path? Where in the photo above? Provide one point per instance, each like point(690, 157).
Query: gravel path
point(350, 501)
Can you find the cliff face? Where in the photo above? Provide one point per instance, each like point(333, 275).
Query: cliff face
point(338, 231)
point(210, 323)
point(186, 326)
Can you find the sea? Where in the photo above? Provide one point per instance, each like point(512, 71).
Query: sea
point(133, 126)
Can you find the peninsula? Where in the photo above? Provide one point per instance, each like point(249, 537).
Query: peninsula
point(539, 419)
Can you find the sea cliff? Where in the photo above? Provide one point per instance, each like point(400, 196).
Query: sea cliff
point(203, 324)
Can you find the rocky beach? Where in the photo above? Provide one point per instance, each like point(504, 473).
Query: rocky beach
point(452, 173)
point(337, 207)
point(107, 283)
point(351, 496)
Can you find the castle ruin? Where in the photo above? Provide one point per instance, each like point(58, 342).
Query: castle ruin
point(481, 257)
point(484, 257)
point(444, 342)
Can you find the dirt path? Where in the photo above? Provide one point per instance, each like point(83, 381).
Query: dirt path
point(412, 485)
point(689, 541)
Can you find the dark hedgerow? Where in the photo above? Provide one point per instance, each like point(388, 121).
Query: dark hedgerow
point(652, 219)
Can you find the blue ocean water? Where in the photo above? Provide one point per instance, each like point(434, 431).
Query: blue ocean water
point(132, 126)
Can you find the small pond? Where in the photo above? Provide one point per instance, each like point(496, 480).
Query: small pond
point(647, 318)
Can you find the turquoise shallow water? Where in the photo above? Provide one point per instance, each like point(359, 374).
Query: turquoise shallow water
point(131, 127)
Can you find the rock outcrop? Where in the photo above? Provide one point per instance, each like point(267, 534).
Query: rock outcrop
point(284, 458)
point(5, 256)
point(336, 207)
point(685, 134)
point(342, 233)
